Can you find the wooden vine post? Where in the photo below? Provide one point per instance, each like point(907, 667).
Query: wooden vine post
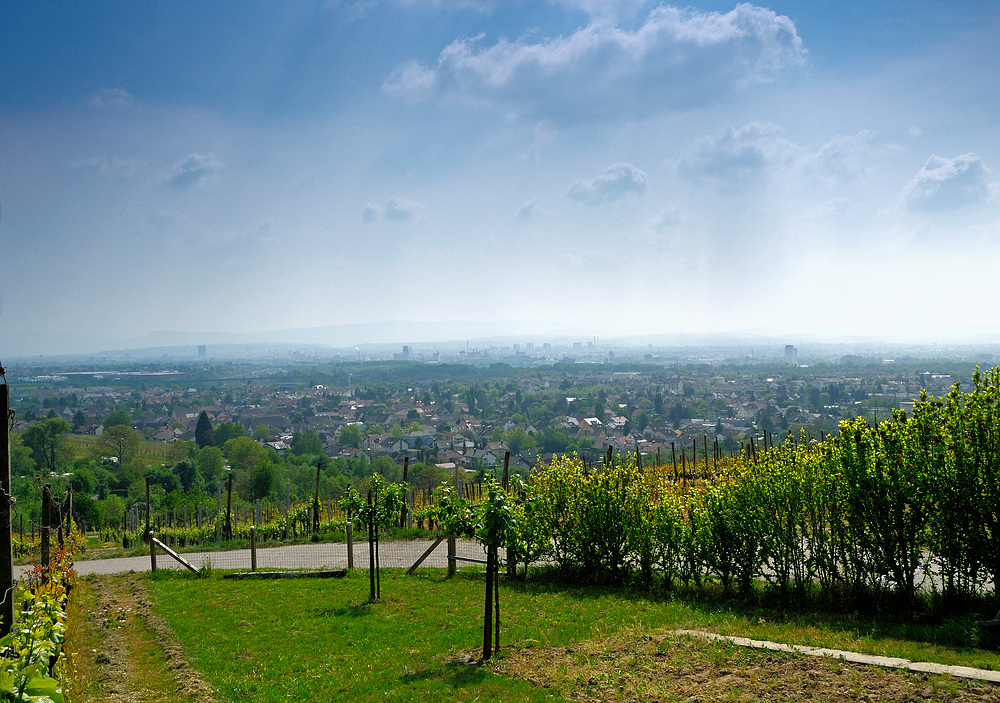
point(406, 472)
point(315, 525)
point(496, 525)
point(6, 538)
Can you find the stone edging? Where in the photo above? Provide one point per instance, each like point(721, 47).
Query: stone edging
point(965, 672)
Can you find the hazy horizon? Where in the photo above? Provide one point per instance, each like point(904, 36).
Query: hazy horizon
point(611, 168)
point(476, 336)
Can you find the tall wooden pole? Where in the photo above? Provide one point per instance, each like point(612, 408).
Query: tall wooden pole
point(315, 525)
point(6, 538)
point(44, 530)
point(229, 509)
point(406, 476)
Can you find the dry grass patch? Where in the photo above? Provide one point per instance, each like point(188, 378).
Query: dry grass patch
point(660, 666)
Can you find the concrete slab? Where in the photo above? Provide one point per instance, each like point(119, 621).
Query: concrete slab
point(965, 672)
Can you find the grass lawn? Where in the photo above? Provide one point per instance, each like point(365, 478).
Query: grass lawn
point(322, 639)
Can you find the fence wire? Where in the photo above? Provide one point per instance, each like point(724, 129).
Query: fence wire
point(313, 556)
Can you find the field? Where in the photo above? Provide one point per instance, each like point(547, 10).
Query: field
point(177, 637)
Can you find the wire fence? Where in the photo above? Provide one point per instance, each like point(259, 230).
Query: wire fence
point(394, 553)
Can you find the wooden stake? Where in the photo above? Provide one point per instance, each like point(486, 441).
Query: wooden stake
point(6, 536)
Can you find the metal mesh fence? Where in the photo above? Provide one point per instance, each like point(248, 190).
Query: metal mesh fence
point(312, 556)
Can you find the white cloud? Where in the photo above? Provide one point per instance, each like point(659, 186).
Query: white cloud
point(110, 97)
point(848, 157)
point(948, 184)
point(192, 169)
point(738, 153)
point(677, 59)
point(395, 208)
point(613, 184)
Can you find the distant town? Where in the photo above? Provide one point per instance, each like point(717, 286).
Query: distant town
point(467, 407)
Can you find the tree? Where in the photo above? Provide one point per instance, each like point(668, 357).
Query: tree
point(121, 442)
point(79, 420)
point(179, 451)
point(210, 462)
point(307, 442)
point(164, 476)
point(247, 457)
point(47, 441)
point(118, 417)
point(204, 436)
point(227, 431)
point(518, 439)
point(21, 462)
point(188, 475)
point(262, 432)
point(351, 436)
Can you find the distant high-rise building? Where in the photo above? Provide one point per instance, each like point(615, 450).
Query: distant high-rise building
point(791, 355)
point(202, 352)
point(406, 352)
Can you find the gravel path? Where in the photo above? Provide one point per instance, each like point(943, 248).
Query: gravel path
point(333, 555)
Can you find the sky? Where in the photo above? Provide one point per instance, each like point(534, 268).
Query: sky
point(805, 169)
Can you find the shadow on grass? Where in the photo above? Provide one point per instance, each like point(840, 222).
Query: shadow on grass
point(930, 622)
point(454, 674)
point(464, 675)
point(352, 611)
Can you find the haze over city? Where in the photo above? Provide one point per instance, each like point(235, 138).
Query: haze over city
point(800, 170)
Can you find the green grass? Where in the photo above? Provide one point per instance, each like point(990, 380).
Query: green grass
point(323, 640)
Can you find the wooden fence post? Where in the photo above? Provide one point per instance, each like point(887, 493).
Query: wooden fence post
point(491, 561)
point(44, 530)
point(6, 538)
point(406, 472)
point(350, 545)
point(315, 521)
point(253, 547)
point(511, 554)
point(371, 547)
point(152, 551)
point(229, 508)
point(451, 555)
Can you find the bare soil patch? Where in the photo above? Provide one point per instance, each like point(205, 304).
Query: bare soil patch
point(118, 649)
point(668, 667)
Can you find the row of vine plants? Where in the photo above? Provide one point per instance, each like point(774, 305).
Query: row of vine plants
point(872, 515)
point(33, 662)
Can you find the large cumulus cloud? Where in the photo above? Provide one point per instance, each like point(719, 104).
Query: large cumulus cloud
point(677, 59)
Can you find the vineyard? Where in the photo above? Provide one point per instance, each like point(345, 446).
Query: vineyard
point(876, 515)
point(901, 518)
point(872, 516)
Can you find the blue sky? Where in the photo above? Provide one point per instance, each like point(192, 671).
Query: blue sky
point(798, 168)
